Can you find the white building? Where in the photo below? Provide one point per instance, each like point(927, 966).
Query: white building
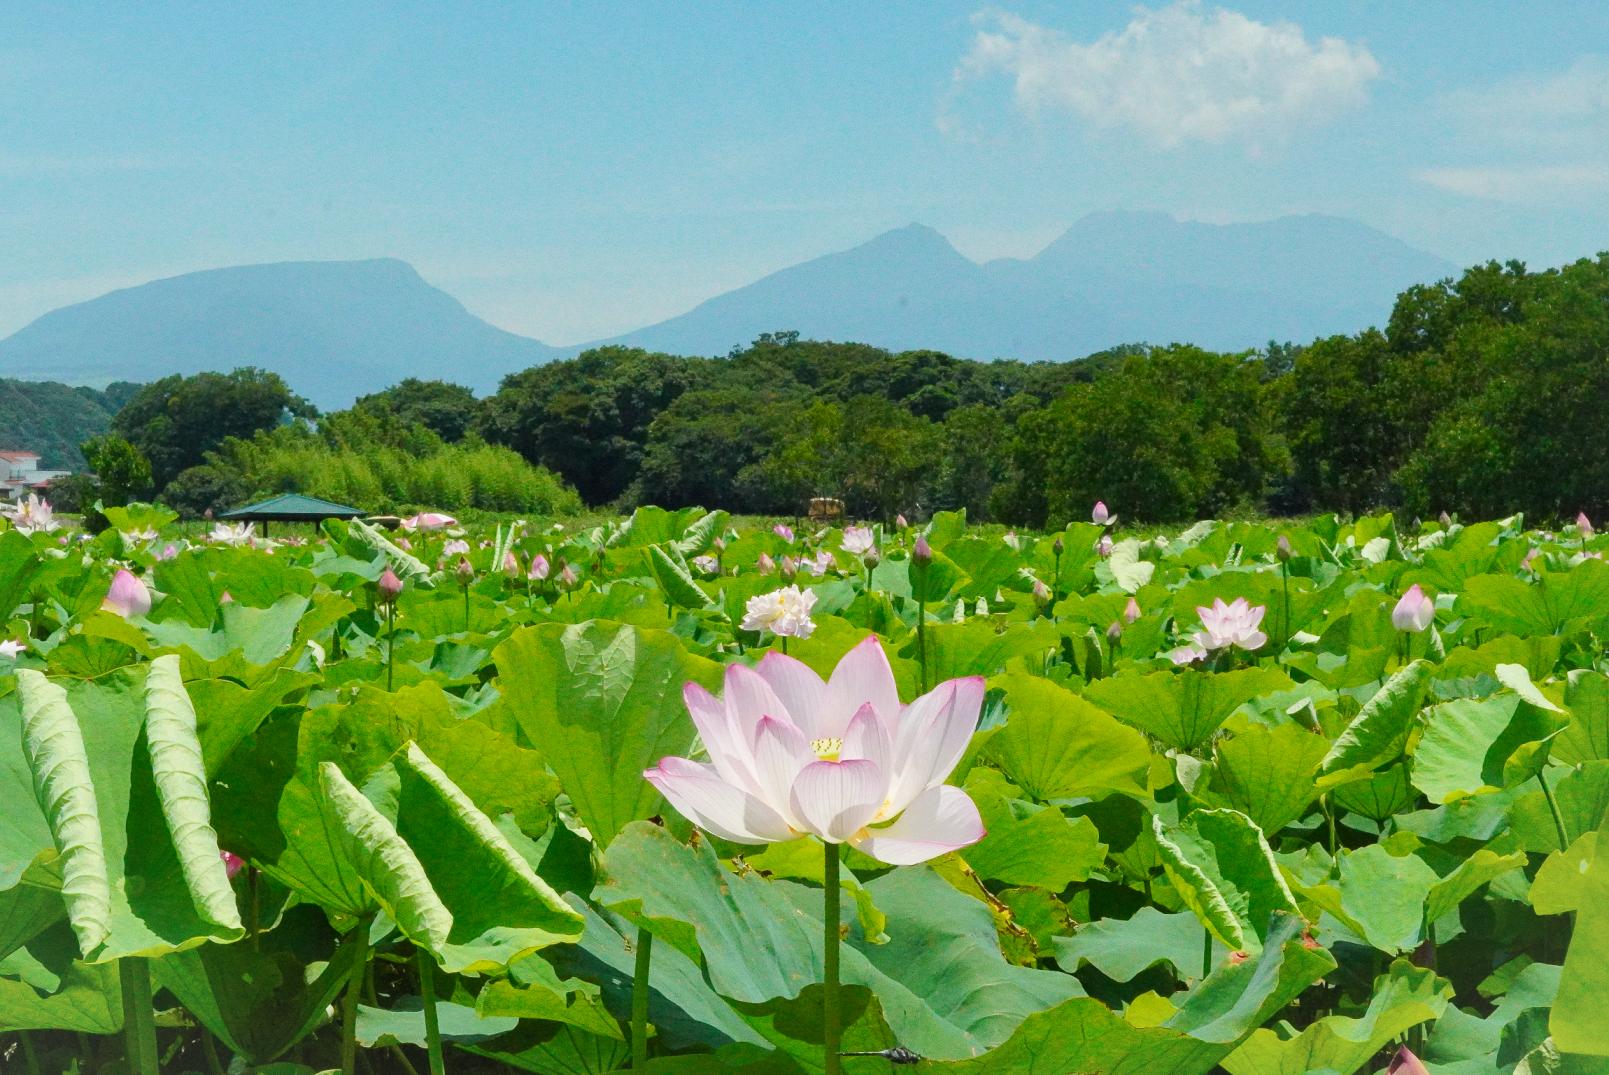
point(20, 475)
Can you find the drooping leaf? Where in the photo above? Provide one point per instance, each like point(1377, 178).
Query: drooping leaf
point(1225, 873)
point(1184, 708)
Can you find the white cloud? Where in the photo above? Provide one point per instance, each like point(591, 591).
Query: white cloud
point(1534, 139)
point(1564, 110)
point(1184, 73)
point(1519, 183)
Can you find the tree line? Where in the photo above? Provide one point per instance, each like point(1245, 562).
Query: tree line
point(1482, 395)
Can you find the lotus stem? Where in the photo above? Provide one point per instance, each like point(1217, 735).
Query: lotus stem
point(390, 641)
point(639, 1000)
point(1553, 808)
point(1206, 952)
point(1285, 603)
point(139, 1026)
point(830, 1029)
point(28, 1055)
point(349, 1003)
point(921, 642)
point(427, 996)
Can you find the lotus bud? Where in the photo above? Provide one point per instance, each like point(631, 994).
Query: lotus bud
point(1415, 612)
point(1099, 515)
point(1131, 611)
point(404, 543)
point(389, 587)
point(900, 521)
point(1583, 525)
point(464, 572)
point(568, 577)
point(790, 567)
point(1445, 520)
point(539, 568)
point(511, 565)
point(1406, 1063)
point(1114, 631)
point(1057, 547)
point(1282, 549)
point(128, 596)
point(169, 552)
point(720, 544)
point(922, 554)
point(232, 863)
point(765, 565)
point(207, 515)
point(782, 531)
point(226, 598)
point(872, 557)
point(1041, 594)
point(1104, 546)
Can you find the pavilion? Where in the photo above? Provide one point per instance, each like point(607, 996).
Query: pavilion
point(291, 508)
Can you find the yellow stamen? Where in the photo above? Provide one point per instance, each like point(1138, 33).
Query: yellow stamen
point(827, 749)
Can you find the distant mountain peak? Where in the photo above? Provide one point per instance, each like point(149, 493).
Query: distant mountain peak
point(339, 329)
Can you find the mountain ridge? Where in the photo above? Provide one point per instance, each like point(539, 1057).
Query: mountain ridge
point(338, 329)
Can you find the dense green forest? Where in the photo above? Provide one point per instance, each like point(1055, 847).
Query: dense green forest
point(53, 419)
point(1481, 395)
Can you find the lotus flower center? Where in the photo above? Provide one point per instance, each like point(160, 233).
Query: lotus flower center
point(827, 749)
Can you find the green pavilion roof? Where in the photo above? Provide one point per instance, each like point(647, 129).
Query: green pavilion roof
point(293, 507)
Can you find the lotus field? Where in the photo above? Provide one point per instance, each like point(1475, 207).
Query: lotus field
point(678, 795)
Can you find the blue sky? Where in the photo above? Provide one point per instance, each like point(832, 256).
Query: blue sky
point(574, 170)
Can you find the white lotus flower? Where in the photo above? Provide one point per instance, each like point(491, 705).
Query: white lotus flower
point(841, 760)
point(1234, 624)
point(232, 534)
point(858, 539)
point(784, 612)
point(32, 516)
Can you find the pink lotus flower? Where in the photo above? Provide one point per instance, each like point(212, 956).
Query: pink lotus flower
point(128, 596)
point(1103, 547)
point(1415, 612)
point(1187, 654)
point(900, 521)
point(389, 587)
point(1234, 624)
point(765, 565)
point(1100, 516)
point(456, 547)
point(1406, 1063)
point(511, 565)
point(1131, 611)
point(783, 532)
point(539, 568)
point(841, 760)
point(1583, 525)
point(429, 520)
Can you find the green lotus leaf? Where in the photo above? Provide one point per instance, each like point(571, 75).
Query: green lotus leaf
point(1085, 1035)
point(602, 702)
point(1183, 709)
point(1404, 997)
point(1056, 745)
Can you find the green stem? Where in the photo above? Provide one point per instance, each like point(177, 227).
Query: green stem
point(1553, 807)
point(139, 1026)
point(466, 610)
point(921, 642)
point(1285, 586)
point(349, 1003)
point(830, 1030)
point(427, 996)
point(784, 645)
point(1329, 816)
point(1206, 953)
point(639, 1000)
point(28, 1055)
point(390, 640)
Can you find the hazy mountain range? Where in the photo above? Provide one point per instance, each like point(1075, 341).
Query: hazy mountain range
point(336, 330)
